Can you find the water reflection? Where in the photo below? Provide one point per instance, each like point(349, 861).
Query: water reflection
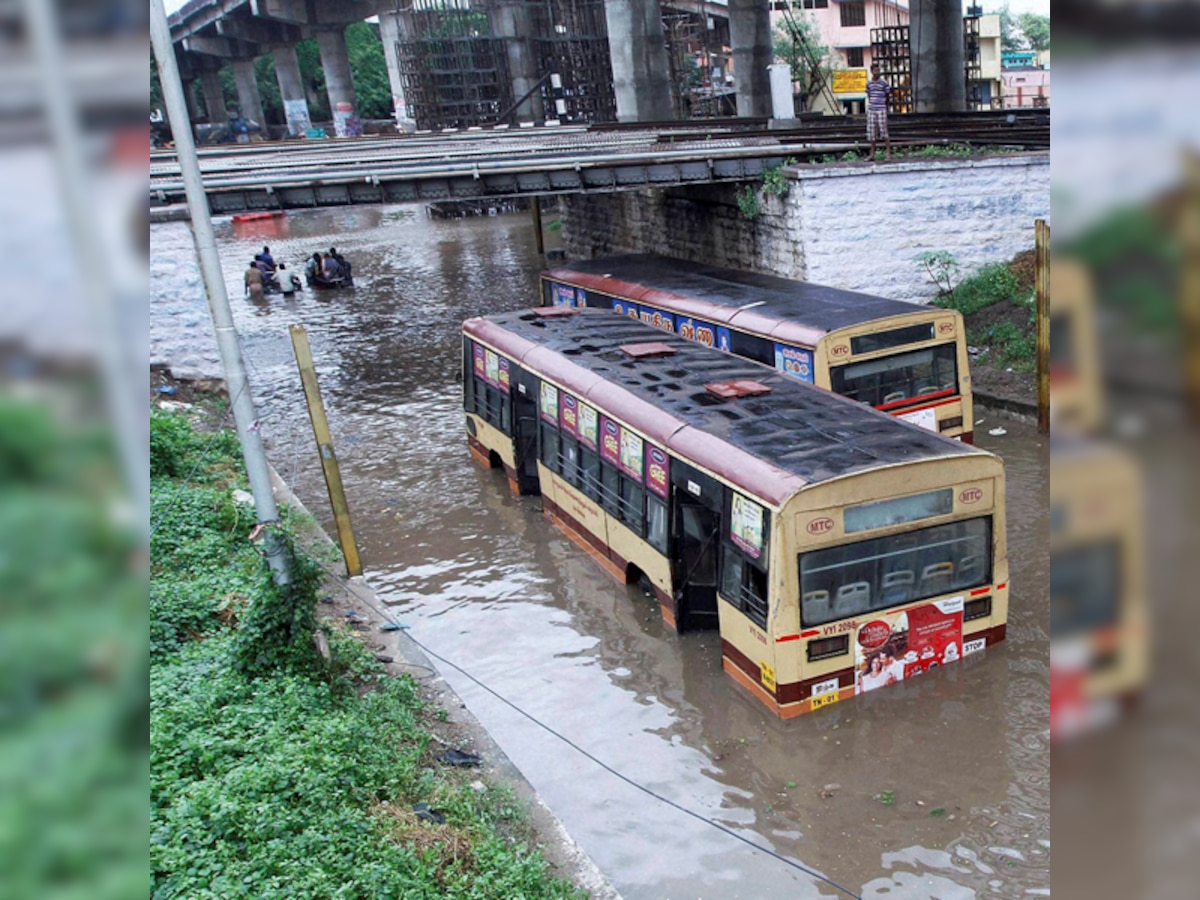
point(934, 788)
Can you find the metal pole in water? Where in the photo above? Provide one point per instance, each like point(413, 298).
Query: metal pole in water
point(535, 206)
point(1189, 283)
point(228, 345)
point(1042, 281)
point(329, 463)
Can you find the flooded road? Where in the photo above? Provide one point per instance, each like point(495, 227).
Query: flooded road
point(484, 581)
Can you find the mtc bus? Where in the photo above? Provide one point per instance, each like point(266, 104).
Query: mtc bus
point(1099, 621)
point(836, 548)
point(907, 360)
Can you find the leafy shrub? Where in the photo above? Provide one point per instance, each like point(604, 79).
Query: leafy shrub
point(277, 632)
point(990, 285)
point(747, 203)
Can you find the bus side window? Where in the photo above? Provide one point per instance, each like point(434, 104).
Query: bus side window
point(656, 523)
point(506, 414)
point(632, 513)
point(610, 488)
point(550, 448)
point(752, 347)
point(570, 459)
point(468, 377)
point(744, 585)
point(590, 472)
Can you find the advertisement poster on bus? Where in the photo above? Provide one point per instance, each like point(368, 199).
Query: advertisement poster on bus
point(610, 441)
point(587, 425)
point(631, 454)
point(549, 403)
point(723, 339)
point(570, 415)
point(894, 646)
point(658, 477)
point(794, 361)
point(746, 525)
point(624, 308)
point(564, 295)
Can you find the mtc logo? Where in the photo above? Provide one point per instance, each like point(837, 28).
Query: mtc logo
point(839, 351)
point(820, 526)
point(970, 495)
point(945, 328)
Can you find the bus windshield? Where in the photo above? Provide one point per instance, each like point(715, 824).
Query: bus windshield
point(1085, 587)
point(900, 378)
point(875, 574)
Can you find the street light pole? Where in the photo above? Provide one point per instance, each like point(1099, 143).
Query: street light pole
point(228, 344)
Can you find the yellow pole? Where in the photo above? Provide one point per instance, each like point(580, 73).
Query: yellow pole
point(1042, 280)
point(333, 477)
point(1189, 283)
point(535, 206)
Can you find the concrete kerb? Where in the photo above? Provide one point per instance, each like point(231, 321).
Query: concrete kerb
point(565, 856)
point(1020, 410)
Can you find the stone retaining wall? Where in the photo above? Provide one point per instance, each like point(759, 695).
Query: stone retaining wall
point(858, 226)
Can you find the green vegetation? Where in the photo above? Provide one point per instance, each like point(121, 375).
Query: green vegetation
point(998, 313)
point(273, 772)
point(1134, 257)
point(73, 661)
point(747, 202)
point(1036, 29)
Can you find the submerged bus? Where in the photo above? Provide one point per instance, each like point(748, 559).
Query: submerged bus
point(835, 548)
point(902, 358)
point(1099, 620)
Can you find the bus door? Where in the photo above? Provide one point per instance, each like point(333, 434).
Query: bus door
point(525, 431)
point(696, 538)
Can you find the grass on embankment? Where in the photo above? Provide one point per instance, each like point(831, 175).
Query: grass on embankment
point(274, 772)
point(998, 307)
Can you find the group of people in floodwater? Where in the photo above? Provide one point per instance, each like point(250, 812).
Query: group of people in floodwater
point(322, 270)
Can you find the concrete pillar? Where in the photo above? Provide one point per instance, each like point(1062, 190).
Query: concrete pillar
point(214, 98)
point(291, 90)
point(393, 28)
point(247, 90)
point(936, 41)
point(512, 23)
point(189, 97)
point(750, 34)
point(641, 78)
point(339, 83)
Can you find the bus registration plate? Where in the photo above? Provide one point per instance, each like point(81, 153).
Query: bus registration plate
point(824, 693)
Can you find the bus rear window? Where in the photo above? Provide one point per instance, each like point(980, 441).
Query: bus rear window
point(897, 337)
point(852, 579)
point(1085, 587)
point(900, 377)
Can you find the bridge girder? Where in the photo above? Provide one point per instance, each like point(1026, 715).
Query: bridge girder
point(263, 32)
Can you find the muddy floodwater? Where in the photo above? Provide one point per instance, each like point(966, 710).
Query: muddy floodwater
point(934, 788)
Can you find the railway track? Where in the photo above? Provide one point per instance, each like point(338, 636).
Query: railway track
point(481, 163)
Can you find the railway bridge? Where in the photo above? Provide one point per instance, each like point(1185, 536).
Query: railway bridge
point(504, 162)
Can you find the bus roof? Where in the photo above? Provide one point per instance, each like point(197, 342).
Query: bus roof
point(771, 444)
point(721, 295)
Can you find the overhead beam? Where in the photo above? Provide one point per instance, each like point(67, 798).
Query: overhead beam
point(218, 46)
point(215, 10)
point(293, 11)
point(258, 31)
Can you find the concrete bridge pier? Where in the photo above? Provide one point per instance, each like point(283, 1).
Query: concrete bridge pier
point(214, 97)
point(189, 97)
point(393, 26)
point(339, 83)
point(249, 99)
point(750, 34)
point(639, 60)
point(512, 23)
point(291, 90)
point(937, 60)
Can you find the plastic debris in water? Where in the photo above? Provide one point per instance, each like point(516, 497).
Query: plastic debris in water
point(997, 432)
point(391, 626)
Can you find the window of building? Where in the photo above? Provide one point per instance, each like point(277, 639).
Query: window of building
point(854, 57)
point(854, 14)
